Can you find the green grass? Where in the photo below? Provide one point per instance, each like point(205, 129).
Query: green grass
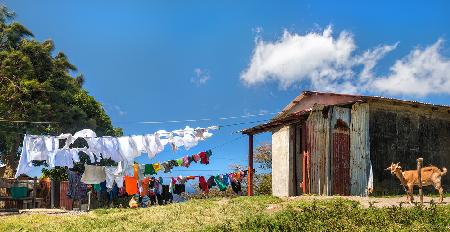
point(262, 213)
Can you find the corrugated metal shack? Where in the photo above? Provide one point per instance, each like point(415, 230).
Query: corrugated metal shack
point(327, 143)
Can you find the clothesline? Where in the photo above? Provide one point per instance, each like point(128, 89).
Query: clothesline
point(219, 126)
point(153, 122)
point(209, 119)
point(226, 143)
point(90, 134)
point(227, 173)
point(167, 166)
point(193, 170)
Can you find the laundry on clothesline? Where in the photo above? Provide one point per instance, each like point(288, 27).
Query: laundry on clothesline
point(222, 181)
point(150, 190)
point(133, 173)
point(57, 151)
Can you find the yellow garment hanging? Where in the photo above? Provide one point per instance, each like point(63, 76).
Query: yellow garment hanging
point(157, 167)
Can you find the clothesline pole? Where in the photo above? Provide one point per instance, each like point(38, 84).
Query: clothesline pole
point(250, 166)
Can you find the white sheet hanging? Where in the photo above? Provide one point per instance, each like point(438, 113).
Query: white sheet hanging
point(111, 149)
point(61, 158)
point(93, 174)
point(23, 166)
point(139, 142)
point(152, 145)
point(128, 148)
point(114, 175)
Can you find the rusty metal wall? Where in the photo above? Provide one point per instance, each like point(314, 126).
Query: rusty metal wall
point(359, 149)
point(306, 166)
point(318, 128)
point(296, 157)
point(64, 201)
point(340, 151)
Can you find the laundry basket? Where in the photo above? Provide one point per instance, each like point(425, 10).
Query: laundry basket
point(19, 192)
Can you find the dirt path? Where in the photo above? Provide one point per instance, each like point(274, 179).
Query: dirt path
point(43, 211)
point(376, 201)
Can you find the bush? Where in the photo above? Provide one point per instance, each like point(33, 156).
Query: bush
point(263, 184)
point(343, 215)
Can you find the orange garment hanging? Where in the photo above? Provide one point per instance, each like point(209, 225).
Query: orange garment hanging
point(136, 171)
point(145, 184)
point(131, 185)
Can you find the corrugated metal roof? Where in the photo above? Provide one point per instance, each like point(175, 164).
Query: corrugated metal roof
point(307, 99)
point(338, 98)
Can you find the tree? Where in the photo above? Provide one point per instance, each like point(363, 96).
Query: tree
point(262, 181)
point(37, 86)
point(263, 156)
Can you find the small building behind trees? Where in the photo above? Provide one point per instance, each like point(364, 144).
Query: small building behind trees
point(339, 144)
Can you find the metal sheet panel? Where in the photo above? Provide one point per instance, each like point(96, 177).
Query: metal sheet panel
point(64, 201)
point(318, 128)
point(340, 150)
point(359, 149)
point(306, 165)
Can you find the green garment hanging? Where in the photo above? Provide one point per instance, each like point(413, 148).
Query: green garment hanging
point(180, 161)
point(220, 184)
point(149, 170)
point(97, 187)
point(208, 153)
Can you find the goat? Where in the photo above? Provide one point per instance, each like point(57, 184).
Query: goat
point(431, 175)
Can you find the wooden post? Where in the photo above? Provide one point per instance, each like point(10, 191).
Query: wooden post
point(419, 174)
point(250, 166)
point(33, 200)
point(52, 194)
point(89, 201)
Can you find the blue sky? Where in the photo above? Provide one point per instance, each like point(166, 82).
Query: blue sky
point(174, 60)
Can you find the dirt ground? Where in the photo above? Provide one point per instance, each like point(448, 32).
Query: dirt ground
point(42, 211)
point(377, 201)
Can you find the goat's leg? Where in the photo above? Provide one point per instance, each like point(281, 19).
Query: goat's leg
point(439, 188)
point(410, 193)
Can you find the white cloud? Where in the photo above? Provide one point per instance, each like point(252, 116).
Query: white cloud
point(201, 76)
point(119, 110)
point(421, 72)
point(314, 57)
point(329, 63)
point(263, 111)
point(370, 58)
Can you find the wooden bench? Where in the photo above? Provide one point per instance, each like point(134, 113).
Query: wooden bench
point(30, 201)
